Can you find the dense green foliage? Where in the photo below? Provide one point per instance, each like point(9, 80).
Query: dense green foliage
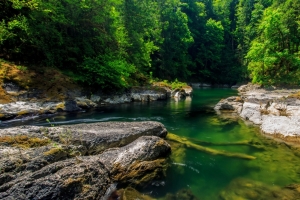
point(109, 43)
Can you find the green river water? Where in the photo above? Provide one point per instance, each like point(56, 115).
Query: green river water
point(204, 175)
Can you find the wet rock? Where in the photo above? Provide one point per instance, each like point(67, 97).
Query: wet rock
point(131, 193)
point(253, 190)
point(184, 194)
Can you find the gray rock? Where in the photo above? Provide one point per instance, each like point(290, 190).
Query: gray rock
point(273, 109)
point(11, 87)
point(96, 137)
point(53, 172)
point(85, 103)
point(234, 104)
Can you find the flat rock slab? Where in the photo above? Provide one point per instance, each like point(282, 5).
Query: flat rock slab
point(95, 137)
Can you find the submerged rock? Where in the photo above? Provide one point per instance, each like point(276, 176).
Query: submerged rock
point(253, 190)
point(184, 194)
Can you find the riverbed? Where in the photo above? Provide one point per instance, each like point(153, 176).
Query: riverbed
point(197, 173)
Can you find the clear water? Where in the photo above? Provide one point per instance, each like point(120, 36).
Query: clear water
point(203, 174)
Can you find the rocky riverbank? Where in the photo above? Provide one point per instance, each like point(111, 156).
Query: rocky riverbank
point(30, 93)
point(33, 105)
point(83, 161)
point(276, 111)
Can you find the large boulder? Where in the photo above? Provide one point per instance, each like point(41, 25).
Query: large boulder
point(79, 161)
point(89, 177)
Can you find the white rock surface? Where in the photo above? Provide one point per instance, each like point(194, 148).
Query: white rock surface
point(286, 126)
point(251, 112)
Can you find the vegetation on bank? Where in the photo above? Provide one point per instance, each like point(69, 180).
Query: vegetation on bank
point(117, 43)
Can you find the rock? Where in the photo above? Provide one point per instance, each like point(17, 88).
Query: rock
point(188, 90)
point(234, 104)
point(281, 126)
point(11, 87)
point(195, 85)
point(33, 102)
point(205, 85)
point(95, 137)
point(184, 194)
point(253, 190)
point(248, 87)
point(118, 99)
point(62, 172)
point(235, 86)
point(149, 94)
point(276, 110)
point(182, 92)
point(131, 193)
point(138, 161)
point(251, 112)
point(85, 103)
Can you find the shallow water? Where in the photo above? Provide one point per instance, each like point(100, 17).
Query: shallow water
point(205, 175)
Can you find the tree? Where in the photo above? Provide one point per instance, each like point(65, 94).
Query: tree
point(274, 55)
point(172, 60)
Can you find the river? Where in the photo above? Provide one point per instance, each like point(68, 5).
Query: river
point(204, 175)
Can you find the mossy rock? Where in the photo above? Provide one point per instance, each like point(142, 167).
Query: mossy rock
point(140, 173)
point(24, 141)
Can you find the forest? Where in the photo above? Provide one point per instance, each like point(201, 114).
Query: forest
point(125, 42)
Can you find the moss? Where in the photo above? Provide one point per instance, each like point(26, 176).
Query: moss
point(53, 151)
point(60, 106)
point(131, 193)
point(140, 173)
point(295, 95)
point(73, 181)
point(23, 112)
point(24, 141)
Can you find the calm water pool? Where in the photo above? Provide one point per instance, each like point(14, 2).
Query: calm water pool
point(206, 176)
